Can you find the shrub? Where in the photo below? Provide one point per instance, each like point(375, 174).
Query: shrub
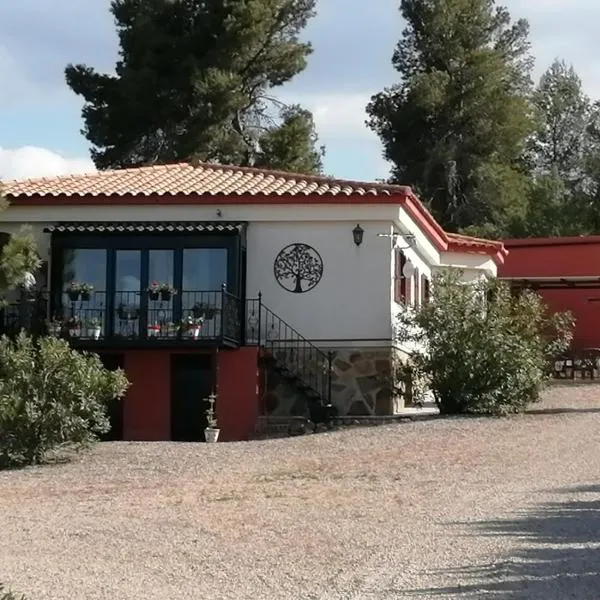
point(51, 396)
point(483, 348)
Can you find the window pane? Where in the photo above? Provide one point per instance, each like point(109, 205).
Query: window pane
point(160, 267)
point(160, 302)
point(204, 272)
point(84, 291)
point(204, 269)
point(127, 292)
point(85, 266)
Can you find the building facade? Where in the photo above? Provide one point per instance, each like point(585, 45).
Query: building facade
point(270, 289)
point(566, 272)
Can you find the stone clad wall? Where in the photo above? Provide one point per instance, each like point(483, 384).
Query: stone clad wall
point(360, 385)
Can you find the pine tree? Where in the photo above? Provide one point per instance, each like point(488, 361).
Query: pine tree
point(563, 114)
point(455, 125)
point(558, 156)
point(194, 81)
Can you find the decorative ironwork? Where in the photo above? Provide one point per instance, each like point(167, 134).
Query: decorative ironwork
point(297, 359)
point(127, 316)
point(298, 268)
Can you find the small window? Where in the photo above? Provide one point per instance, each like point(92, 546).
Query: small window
point(399, 279)
point(417, 284)
point(425, 288)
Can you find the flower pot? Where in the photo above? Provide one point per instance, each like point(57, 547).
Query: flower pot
point(74, 332)
point(73, 296)
point(153, 331)
point(96, 332)
point(153, 296)
point(211, 435)
point(54, 330)
point(194, 332)
point(85, 296)
point(164, 296)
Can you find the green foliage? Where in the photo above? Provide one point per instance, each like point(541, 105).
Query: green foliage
point(18, 257)
point(455, 125)
point(292, 145)
point(563, 112)
point(483, 349)
point(194, 80)
point(51, 396)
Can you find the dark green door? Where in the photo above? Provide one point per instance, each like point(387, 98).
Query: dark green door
point(191, 383)
point(115, 406)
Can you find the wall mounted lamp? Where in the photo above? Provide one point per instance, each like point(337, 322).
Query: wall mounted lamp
point(358, 233)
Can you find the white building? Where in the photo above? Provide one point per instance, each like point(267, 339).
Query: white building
point(333, 260)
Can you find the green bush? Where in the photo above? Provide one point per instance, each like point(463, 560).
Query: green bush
point(482, 348)
point(51, 397)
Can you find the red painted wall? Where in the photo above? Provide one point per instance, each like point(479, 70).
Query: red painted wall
point(147, 409)
point(555, 257)
point(238, 386)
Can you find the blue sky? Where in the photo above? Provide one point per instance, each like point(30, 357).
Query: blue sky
point(353, 41)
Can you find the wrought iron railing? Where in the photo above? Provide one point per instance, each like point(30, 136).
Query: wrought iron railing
point(301, 359)
point(193, 315)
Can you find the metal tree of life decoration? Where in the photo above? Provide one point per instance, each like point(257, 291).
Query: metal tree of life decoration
point(298, 268)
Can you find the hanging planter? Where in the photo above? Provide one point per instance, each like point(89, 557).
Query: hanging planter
point(76, 291)
point(154, 291)
point(167, 291)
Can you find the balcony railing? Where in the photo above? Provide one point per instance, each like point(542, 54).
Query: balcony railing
point(194, 316)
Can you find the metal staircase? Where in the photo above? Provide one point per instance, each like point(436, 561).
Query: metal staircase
point(299, 362)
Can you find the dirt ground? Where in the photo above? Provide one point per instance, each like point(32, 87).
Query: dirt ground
point(444, 508)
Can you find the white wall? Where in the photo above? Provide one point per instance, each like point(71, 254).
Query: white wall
point(354, 299)
point(351, 302)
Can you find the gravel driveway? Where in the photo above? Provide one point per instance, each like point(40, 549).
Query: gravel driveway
point(454, 508)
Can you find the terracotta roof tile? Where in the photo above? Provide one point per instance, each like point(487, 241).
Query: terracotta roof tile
point(199, 179)
point(475, 243)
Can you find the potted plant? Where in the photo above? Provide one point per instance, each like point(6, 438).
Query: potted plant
point(154, 290)
point(95, 328)
point(73, 325)
point(192, 325)
point(128, 313)
point(166, 291)
point(211, 431)
point(86, 291)
point(204, 310)
point(73, 291)
point(54, 327)
point(171, 330)
point(153, 330)
point(76, 290)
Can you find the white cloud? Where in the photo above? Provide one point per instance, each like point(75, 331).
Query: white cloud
point(337, 116)
point(31, 161)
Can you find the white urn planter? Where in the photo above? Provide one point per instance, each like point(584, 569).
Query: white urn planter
point(96, 332)
point(211, 435)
